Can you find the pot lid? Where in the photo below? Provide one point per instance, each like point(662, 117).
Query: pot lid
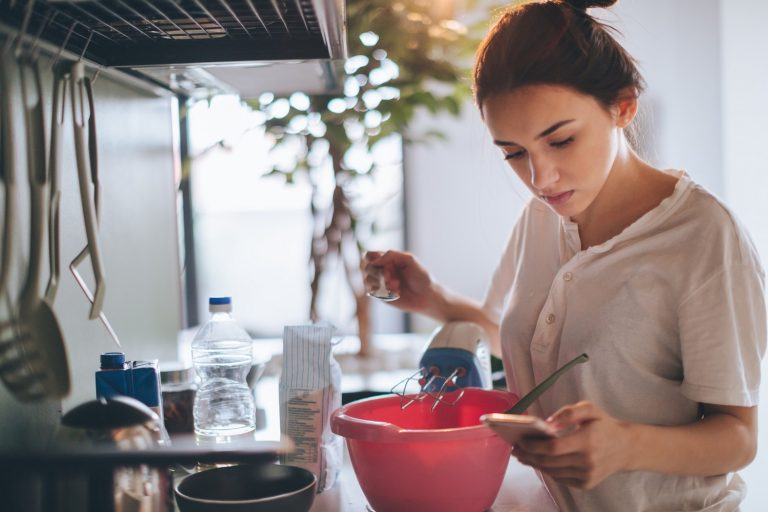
point(109, 413)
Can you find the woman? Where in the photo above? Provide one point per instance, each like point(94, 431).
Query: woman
point(641, 268)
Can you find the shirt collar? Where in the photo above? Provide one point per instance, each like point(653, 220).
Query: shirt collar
point(570, 241)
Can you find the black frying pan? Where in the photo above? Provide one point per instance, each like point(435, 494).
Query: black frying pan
point(248, 488)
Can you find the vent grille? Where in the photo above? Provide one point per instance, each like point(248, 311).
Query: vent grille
point(160, 32)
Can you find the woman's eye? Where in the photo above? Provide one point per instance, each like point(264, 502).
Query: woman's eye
point(515, 155)
point(562, 143)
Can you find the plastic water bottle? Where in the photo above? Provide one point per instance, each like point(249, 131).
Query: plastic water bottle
point(222, 356)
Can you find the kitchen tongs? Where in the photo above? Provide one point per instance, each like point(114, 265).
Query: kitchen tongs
point(58, 110)
point(88, 176)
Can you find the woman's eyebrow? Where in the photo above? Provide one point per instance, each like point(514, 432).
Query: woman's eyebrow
point(542, 134)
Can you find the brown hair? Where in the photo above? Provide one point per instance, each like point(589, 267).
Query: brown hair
point(554, 42)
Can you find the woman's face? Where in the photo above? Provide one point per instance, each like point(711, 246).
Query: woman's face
point(561, 143)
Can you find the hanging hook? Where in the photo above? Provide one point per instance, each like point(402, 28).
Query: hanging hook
point(23, 29)
point(96, 74)
point(87, 43)
point(64, 44)
point(50, 14)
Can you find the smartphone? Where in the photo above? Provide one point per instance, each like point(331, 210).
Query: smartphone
point(514, 427)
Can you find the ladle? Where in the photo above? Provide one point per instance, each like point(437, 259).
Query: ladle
point(533, 394)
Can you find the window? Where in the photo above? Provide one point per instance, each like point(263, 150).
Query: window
point(253, 232)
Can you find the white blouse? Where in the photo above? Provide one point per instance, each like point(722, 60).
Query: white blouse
point(671, 312)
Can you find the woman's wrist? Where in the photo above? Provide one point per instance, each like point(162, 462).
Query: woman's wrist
point(634, 446)
point(438, 307)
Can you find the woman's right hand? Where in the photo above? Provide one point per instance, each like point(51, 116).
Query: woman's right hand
point(403, 276)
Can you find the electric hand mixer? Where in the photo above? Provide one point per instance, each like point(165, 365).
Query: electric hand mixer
point(457, 356)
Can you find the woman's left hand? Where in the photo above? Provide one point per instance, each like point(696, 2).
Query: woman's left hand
point(594, 446)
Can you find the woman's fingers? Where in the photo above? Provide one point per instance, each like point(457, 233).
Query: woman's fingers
point(594, 450)
point(575, 414)
point(548, 461)
point(376, 263)
point(557, 446)
point(372, 255)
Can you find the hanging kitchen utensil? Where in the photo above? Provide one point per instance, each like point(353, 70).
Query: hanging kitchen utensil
point(35, 366)
point(60, 75)
point(10, 348)
point(523, 404)
point(88, 176)
point(8, 171)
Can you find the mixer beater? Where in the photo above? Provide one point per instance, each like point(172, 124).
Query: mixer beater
point(457, 356)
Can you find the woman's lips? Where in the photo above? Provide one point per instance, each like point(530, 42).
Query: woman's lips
point(558, 199)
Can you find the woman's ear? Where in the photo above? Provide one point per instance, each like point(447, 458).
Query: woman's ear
point(626, 107)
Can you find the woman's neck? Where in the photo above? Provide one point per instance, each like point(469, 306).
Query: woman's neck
point(633, 188)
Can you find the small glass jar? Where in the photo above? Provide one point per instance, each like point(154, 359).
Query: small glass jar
point(178, 388)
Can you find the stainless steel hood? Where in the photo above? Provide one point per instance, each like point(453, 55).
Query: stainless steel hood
point(194, 46)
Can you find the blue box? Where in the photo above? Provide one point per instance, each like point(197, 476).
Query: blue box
point(136, 379)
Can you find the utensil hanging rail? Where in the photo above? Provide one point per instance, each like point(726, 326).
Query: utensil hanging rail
point(135, 33)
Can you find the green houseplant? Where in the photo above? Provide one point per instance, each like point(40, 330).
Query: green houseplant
point(404, 56)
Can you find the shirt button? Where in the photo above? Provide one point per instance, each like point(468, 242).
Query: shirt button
point(550, 318)
point(567, 276)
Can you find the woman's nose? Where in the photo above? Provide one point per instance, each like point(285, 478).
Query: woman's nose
point(543, 173)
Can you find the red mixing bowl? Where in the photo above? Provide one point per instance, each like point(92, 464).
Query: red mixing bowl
point(417, 459)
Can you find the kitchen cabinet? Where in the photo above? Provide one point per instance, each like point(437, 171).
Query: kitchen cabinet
point(193, 47)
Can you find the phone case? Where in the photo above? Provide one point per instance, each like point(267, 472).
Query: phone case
point(514, 427)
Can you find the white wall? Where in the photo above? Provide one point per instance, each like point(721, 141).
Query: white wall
point(744, 130)
point(461, 203)
point(677, 45)
point(138, 238)
point(744, 135)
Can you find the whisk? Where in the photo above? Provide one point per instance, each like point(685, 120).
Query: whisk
point(457, 356)
point(427, 383)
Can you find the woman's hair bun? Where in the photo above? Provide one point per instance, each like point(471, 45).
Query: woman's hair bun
point(583, 5)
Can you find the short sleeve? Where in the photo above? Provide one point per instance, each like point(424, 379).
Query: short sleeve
point(723, 337)
point(501, 281)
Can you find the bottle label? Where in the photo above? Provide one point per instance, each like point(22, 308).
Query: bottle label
point(303, 413)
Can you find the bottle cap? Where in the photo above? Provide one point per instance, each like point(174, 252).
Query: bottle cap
point(220, 304)
point(112, 360)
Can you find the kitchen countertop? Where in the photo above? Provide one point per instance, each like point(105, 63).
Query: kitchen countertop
point(394, 358)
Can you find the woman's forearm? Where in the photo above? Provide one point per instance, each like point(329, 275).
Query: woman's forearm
point(717, 444)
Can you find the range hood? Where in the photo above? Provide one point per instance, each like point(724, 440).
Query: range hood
point(195, 47)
